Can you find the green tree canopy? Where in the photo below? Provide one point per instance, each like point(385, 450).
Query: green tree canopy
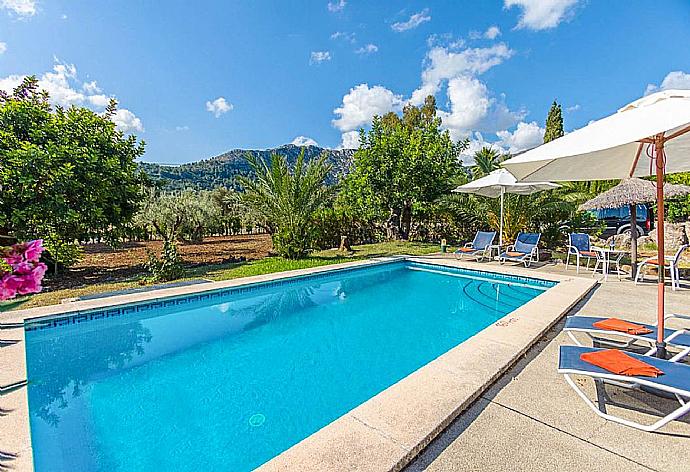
point(486, 160)
point(554, 123)
point(65, 174)
point(404, 161)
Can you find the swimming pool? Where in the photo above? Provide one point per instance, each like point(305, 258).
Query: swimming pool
point(227, 380)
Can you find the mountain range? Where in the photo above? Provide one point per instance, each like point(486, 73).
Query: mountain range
point(221, 170)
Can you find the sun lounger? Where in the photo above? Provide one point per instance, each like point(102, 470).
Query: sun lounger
point(675, 382)
point(524, 250)
point(480, 247)
point(678, 339)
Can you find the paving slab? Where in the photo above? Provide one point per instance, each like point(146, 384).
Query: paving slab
point(491, 438)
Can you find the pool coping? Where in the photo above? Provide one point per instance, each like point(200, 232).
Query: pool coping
point(376, 435)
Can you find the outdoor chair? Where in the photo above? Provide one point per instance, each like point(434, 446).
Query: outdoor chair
point(674, 383)
point(579, 245)
point(670, 264)
point(524, 250)
point(677, 339)
point(480, 247)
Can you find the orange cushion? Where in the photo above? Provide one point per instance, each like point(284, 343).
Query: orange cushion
point(615, 324)
point(620, 363)
point(515, 253)
point(467, 249)
point(588, 253)
point(656, 262)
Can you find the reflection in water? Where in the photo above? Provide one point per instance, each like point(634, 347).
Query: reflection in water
point(67, 363)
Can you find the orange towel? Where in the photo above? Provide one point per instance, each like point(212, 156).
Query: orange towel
point(614, 324)
point(620, 363)
point(515, 253)
point(588, 253)
point(467, 249)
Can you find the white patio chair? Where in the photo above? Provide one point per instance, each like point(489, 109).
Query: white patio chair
point(670, 264)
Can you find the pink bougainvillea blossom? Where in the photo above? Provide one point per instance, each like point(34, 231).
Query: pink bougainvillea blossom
point(26, 271)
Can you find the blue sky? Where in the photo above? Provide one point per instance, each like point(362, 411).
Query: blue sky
point(196, 79)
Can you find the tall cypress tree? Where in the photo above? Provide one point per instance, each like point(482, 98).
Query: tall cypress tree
point(554, 123)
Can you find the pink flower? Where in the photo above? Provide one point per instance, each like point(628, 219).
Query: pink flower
point(33, 250)
point(23, 268)
point(6, 291)
point(13, 257)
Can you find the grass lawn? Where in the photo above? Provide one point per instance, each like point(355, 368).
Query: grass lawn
point(267, 265)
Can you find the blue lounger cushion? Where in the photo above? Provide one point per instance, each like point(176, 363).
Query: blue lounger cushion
point(676, 375)
point(587, 323)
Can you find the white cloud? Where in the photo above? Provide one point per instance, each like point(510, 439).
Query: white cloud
point(350, 140)
point(444, 64)
point(91, 87)
point(22, 8)
point(492, 32)
point(414, 21)
point(336, 6)
point(304, 141)
point(65, 89)
point(343, 35)
point(368, 49)
point(541, 14)
point(362, 103)
point(3, 47)
point(673, 80)
point(219, 106)
point(573, 108)
point(182, 128)
point(63, 16)
point(472, 108)
point(526, 136)
point(126, 121)
point(317, 57)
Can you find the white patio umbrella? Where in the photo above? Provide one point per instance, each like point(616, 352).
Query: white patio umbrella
point(650, 136)
point(497, 184)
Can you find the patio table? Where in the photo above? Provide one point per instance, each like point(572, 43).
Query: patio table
point(606, 256)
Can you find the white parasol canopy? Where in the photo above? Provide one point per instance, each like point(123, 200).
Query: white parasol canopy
point(500, 182)
point(650, 136)
point(608, 148)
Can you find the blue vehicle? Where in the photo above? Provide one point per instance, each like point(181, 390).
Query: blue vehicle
point(617, 220)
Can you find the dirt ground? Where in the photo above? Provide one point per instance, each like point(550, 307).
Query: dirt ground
point(101, 263)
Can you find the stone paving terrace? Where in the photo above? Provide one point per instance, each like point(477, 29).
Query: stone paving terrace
point(530, 419)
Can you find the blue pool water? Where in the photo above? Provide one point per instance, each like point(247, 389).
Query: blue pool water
point(228, 381)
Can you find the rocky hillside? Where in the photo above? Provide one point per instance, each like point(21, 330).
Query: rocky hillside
point(221, 170)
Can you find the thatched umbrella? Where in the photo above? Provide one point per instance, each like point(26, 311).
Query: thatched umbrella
point(630, 192)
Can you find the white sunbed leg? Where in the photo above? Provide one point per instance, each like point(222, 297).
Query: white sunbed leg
point(567, 260)
point(639, 273)
point(675, 414)
point(573, 338)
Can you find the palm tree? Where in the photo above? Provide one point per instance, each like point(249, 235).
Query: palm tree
point(486, 160)
point(286, 200)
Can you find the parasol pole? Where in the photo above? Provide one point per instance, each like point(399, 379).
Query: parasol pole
point(633, 240)
point(500, 225)
point(660, 164)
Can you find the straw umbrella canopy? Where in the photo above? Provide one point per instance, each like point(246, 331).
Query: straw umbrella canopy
point(629, 192)
point(650, 136)
point(497, 184)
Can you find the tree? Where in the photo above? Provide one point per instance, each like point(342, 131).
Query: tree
point(286, 200)
point(486, 160)
point(404, 161)
point(554, 123)
point(65, 174)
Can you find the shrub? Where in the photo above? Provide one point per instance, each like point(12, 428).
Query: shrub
point(168, 266)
